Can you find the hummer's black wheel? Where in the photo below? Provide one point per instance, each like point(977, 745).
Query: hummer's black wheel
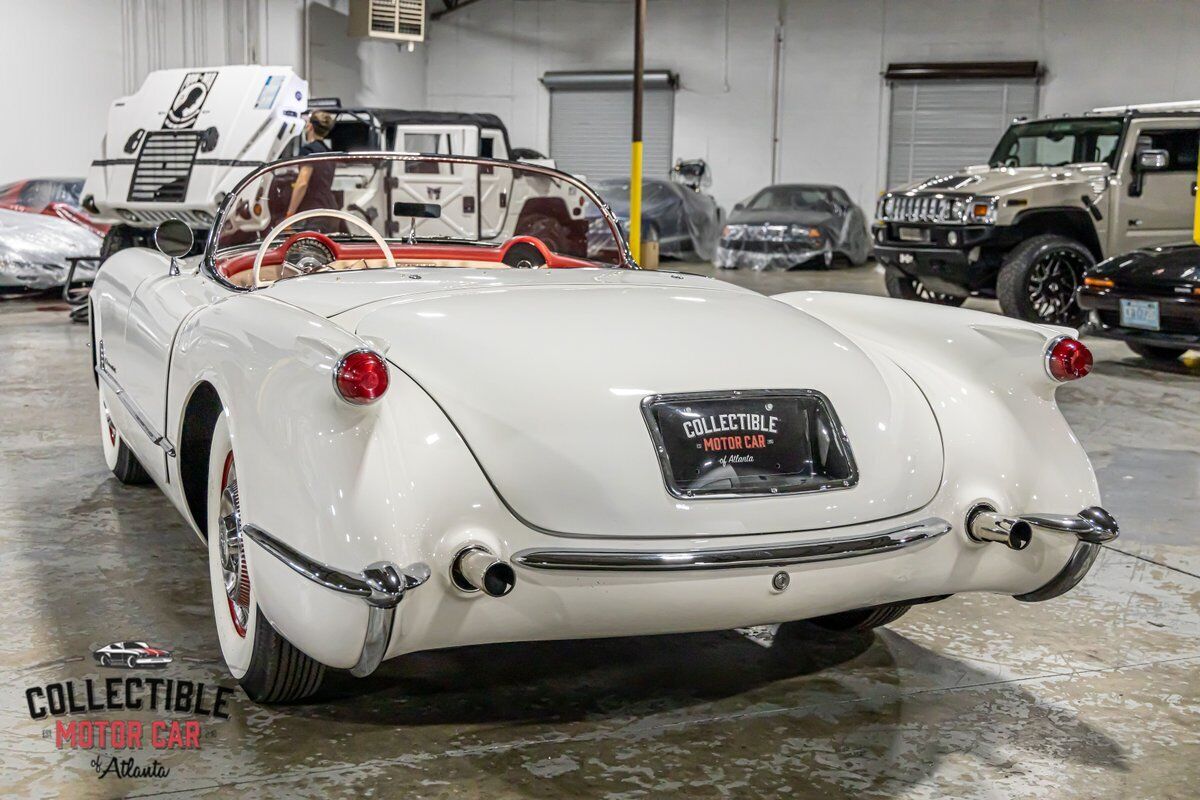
point(551, 231)
point(907, 287)
point(1038, 279)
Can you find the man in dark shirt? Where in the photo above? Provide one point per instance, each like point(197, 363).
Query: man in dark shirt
point(314, 183)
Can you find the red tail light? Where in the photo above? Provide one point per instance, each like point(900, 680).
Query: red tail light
point(1068, 359)
point(361, 377)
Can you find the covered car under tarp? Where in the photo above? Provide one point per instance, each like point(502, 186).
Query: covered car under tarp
point(35, 248)
point(684, 220)
point(790, 225)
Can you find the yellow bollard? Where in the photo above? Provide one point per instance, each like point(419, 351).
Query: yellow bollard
point(635, 202)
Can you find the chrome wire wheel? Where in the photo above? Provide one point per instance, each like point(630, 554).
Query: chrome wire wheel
point(1053, 279)
point(233, 558)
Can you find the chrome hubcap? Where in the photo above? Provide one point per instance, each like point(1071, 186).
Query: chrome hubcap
point(230, 545)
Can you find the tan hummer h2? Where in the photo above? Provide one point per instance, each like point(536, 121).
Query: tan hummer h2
point(1058, 195)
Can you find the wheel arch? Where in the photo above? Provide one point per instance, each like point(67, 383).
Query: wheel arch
point(200, 414)
point(1074, 223)
point(553, 207)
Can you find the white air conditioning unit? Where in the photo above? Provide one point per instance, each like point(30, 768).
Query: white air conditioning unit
point(392, 20)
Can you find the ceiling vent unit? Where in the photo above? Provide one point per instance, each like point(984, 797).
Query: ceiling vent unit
point(391, 20)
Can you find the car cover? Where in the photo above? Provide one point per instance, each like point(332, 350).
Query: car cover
point(34, 249)
point(688, 221)
point(787, 236)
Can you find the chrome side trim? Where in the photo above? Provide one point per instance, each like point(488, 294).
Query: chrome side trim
point(381, 586)
point(886, 541)
point(132, 407)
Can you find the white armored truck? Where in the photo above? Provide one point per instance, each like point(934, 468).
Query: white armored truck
point(187, 137)
point(177, 146)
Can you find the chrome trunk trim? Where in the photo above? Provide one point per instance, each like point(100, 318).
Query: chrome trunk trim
point(381, 586)
point(886, 541)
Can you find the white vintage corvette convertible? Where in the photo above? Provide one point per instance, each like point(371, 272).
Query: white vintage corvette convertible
point(421, 404)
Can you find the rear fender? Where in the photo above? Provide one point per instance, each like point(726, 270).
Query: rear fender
point(985, 377)
point(344, 485)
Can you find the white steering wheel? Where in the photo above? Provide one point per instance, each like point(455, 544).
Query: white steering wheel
point(317, 212)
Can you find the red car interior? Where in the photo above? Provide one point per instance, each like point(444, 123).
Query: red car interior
point(503, 255)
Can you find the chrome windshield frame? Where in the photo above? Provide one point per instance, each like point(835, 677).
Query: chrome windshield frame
point(208, 262)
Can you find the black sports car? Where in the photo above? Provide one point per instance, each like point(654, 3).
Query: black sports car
point(787, 225)
point(1150, 298)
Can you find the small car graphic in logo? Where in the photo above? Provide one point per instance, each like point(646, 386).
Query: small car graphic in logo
point(133, 655)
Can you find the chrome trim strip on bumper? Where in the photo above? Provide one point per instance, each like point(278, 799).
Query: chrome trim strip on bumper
point(1077, 566)
point(899, 538)
point(381, 586)
point(135, 412)
point(1091, 527)
point(1093, 524)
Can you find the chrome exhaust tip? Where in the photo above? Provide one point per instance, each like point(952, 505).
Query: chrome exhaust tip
point(985, 525)
point(476, 569)
point(1093, 525)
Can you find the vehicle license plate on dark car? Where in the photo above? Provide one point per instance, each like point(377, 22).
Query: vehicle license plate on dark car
point(749, 443)
point(1140, 314)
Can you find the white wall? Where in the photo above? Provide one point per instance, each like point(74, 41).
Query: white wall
point(62, 66)
point(491, 56)
point(65, 61)
point(834, 101)
point(360, 71)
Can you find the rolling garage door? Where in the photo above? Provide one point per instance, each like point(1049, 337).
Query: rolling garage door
point(939, 125)
point(591, 117)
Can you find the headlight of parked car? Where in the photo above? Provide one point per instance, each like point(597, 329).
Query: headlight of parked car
point(982, 210)
point(804, 232)
point(884, 206)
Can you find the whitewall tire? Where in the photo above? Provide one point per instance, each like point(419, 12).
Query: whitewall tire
point(117, 455)
point(269, 668)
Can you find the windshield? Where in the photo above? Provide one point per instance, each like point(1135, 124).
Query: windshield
point(793, 197)
point(1056, 143)
point(413, 203)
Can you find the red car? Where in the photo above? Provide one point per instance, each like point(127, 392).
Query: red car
point(55, 197)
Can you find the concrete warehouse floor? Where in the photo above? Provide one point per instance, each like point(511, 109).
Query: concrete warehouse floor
point(1093, 695)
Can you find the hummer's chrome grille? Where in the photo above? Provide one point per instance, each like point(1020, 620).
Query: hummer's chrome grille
point(923, 208)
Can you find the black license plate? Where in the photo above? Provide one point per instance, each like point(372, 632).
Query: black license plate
point(748, 443)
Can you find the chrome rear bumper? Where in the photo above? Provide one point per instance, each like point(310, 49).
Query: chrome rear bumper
point(381, 586)
point(912, 535)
